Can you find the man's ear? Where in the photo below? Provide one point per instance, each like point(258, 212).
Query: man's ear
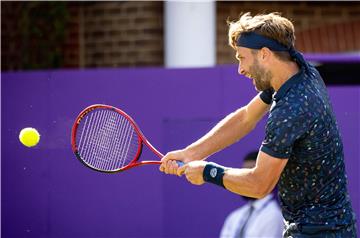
point(265, 53)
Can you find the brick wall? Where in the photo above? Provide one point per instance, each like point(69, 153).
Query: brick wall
point(30, 40)
point(10, 43)
point(71, 47)
point(122, 34)
point(330, 38)
point(319, 26)
point(130, 33)
point(98, 34)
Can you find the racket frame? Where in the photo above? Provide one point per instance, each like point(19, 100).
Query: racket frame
point(141, 139)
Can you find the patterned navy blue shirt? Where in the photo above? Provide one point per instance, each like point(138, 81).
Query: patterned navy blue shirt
point(302, 127)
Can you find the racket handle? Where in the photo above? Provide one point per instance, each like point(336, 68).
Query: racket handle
point(179, 163)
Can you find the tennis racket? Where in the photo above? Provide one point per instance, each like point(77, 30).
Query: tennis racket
point(106, 139)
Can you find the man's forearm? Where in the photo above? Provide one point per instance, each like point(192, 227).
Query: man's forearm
point(244, 182)
point(228, 131)
point(256, 182)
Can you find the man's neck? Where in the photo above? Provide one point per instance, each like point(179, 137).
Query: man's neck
point(282, 72)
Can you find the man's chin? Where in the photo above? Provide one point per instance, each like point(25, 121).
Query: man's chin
point(256, 87)
point(253, 82)
point(260, 89)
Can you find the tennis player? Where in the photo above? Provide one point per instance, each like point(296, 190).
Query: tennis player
point(302, 150)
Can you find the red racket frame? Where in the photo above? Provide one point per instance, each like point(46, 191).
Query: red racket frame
point(141, 137)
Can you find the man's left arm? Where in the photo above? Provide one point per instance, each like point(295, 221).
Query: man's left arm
point(256, 182)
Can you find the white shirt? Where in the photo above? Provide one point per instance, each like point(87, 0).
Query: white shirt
point(266, 220)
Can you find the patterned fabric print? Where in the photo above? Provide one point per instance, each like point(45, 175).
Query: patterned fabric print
point(314, 232)
point(302, 127)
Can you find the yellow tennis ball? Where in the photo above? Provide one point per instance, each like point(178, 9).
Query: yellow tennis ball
point(29, 137)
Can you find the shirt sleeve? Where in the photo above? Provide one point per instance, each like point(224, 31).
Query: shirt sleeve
point(283, 128)
point(266, 96)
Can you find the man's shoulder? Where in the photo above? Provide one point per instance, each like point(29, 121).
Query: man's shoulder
point(287, 108)
point(298, 100)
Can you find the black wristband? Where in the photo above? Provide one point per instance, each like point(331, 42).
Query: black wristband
point(214, 173)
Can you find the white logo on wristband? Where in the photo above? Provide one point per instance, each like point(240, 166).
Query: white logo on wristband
point(213, 172)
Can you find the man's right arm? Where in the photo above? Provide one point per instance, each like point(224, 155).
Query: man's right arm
point(228, 131)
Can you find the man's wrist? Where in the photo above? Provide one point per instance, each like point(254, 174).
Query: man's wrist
point(192, 154)
point(214, 173)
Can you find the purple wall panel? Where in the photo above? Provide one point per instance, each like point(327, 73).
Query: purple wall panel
point(346, 105)
point(200, 209)
point(46, 192)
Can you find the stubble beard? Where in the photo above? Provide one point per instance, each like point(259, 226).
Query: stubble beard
point(261, 76)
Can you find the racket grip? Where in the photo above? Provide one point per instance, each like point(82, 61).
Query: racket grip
point(179, 163)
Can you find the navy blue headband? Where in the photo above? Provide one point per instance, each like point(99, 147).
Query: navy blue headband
point(253, 40)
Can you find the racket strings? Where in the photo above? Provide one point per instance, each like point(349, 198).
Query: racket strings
point(107, 141)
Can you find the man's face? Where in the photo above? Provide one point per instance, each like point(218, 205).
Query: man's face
point(249, 66)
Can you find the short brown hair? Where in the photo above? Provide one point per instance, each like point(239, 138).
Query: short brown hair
point(271, 25)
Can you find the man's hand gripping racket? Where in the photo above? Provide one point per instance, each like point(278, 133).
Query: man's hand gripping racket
point(106, 139)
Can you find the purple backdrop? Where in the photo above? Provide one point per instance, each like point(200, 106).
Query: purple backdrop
point(46, 192)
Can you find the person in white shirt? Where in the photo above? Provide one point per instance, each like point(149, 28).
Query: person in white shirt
point(257, 218)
